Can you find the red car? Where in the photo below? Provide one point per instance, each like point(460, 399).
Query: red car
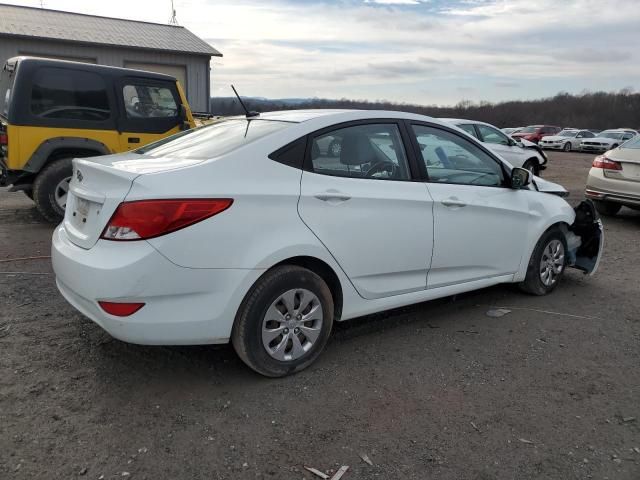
point(534, 133)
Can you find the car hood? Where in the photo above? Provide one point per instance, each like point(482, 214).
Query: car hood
point(553, 138)
point(603, 140)
point(546, 186)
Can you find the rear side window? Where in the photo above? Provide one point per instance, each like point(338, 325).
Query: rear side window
point(147, 101)
point(72, 95)
point(6, 82)
point(213, 140)
point(469, 129)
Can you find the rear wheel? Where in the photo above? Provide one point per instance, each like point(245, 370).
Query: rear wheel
point(532, 166)
point(547, 264)
point(51, 187)
point(284, 321)
point(607, 208)
point(567, 147)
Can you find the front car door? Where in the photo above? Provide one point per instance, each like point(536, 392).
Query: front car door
point(364, 206)
point(480, 224)
point(150, 111)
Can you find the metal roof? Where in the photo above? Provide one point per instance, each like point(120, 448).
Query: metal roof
point(40, 23)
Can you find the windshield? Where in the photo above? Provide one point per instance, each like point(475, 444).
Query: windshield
point(529, 130)
point(614, 135)
point(6, 81)
point(568, 133)
point(633, 143)
point(212, 140)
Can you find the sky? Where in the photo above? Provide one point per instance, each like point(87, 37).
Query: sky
point(433, 52)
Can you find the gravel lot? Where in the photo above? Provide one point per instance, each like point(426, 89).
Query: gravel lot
point(435, 391)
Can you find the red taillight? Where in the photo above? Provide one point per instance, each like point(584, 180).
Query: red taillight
point(4, 138)
point(606, 163)
point(145, 219)
point(120, 309)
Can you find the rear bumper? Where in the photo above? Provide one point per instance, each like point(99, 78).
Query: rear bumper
point(183, 306)
point(624, 192)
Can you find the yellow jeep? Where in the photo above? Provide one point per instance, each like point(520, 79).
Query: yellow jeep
point(52, 111)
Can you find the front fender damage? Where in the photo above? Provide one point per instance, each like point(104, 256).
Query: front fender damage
point(585, 239)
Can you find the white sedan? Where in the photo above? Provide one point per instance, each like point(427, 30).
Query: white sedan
point(244, 231)
point(567, 140)
point(520, 153)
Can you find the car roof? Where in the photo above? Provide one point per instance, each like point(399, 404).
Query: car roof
point(331, 117)
point(460, 121)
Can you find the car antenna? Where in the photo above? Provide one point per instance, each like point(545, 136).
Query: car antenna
point(247, 113)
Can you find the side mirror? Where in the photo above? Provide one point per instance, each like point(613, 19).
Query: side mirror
point(520, 177)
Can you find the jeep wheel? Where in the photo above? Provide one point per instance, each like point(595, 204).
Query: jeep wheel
point(50, 189)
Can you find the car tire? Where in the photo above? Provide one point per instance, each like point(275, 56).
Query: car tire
point(547, 264)
point(335, 148)
point(49, 192)
point(270, 316)
point(607, 208)
point(567, 147)
point(532, 165)
point(615, 145)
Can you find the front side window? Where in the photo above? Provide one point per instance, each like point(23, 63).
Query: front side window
point(493, 135)
point(147, 101)
point(449, 158)
point(373, 151)
point(72, 95)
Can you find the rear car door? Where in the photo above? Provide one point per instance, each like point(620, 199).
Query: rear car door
point(480, 224)
point(151, 110)
point(366, 208)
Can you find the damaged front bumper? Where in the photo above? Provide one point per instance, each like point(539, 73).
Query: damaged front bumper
point(585, 239)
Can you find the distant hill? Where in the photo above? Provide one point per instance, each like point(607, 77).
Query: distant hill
point(598, 110)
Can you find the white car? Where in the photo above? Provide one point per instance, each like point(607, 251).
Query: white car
point(244, 231)
point(519, 153)
point(607, 140)
point(567, 140)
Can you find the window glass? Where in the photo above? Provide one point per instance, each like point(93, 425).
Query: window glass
point(492, 135)
point(146, 101)
point(449, 158)
point(73, 95)
point(627, 136)
point(634, 143)
point(372, 151)
point(212, 140)
point(469, 129)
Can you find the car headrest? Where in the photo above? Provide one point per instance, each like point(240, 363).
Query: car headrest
point(442, 156)
point(356, 150)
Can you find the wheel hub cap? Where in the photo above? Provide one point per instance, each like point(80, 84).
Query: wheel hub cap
point(61, 191)
point(292, 324)
point(552, 262)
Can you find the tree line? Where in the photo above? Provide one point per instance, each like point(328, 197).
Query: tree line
point(597, 110)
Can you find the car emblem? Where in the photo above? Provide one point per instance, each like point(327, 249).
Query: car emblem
point(79, 175)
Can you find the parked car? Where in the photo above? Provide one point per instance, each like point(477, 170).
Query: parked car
point(534, 133)
point(519, 154)
point(244, 231)
point(567, 140)
point(511, 131)
point(614, 178)
point(52, 111)
point(607, 140)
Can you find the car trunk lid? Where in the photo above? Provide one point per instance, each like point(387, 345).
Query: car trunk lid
point(629, 160)
point(100, 184)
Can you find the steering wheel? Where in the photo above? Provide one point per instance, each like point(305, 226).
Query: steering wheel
point(380, 167)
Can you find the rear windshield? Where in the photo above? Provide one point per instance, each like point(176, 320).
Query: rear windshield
point(212, 140)
point(6, 81)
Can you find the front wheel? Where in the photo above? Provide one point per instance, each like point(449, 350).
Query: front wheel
point(284, 321)
point(51, 187)
point(532, 166)
point(547, 264)
point(607, 208)
point(567, 147)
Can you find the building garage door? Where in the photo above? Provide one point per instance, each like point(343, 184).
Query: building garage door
point(177, 71)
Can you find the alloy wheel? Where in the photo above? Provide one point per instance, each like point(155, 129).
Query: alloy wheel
point(61, 191)
point(552, 262)
point(292, 324)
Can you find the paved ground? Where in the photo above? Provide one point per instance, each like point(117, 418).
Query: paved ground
point(435, 391)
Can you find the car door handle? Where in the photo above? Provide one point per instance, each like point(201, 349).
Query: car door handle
point(332, 197)
point(451, 202)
